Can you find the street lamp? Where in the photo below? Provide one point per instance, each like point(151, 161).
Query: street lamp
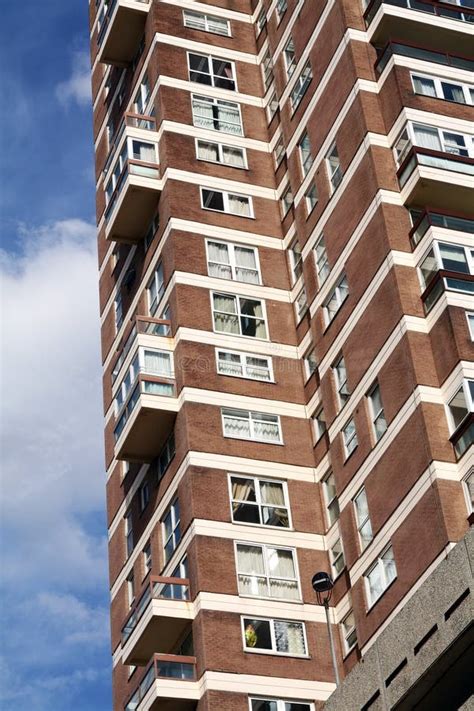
point(322, 586)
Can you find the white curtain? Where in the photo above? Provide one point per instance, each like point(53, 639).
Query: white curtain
point(208, 151)
point(272, 493)
point(158, 363)
point(239, 205)
point(144, 151)
point(427, 137)
point(251, 568)
point(233, 156)
point(425, 86)
point(229, 364)
point(375, 583)
point(236, 426)
point(389, 565)
point(203, 114)
point(266, 429)
point(246, 265)
point(257, 368)
point(225, 318)
point(229, 119)
point(219, 262)
point(289, 637)
point(165, 389)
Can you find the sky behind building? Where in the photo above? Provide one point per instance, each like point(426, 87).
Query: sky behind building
point(55, 642)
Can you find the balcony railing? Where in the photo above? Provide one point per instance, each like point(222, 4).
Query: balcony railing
point(163, 666)
point(111, 5)
point(143, 324)
point(130, 120)
point(405, 49)
point(444, 10)
point(445, 280)
point(158, 588)
point(430, 218)
point(425, 157)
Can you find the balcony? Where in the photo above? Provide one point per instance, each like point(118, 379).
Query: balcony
point(122, 26)
point(429, 177)
point(169, 684)
point(145, 393)
point(445, 25)
point(435, 220)
point(404, 49)
point(158, 620)
point(132, 180)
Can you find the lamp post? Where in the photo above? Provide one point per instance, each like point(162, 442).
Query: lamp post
point(322, 586)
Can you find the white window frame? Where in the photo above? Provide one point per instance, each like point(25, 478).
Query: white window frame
point(319, 430)
point(348, 440)
point(470, 323)
point(305, 163)
point(286, 200)
point(336, 557)
point(226, 211)
point(214, 102)
point(156, 284)
point(246, 374)
point(128, 532)
point(301, 305)
point(387, 583)
point(144, 495)
point(147, 559)
point(290, 64)
point(435, 248)
point(467, 492)
point(231, 247)
point(330, 508)
point(175, 535)
point(280, 9)
point(379, 415)
point(310, 196)
point(438, 82)
point(301, 85)
point(271, 621)
point(239, 314)
point(468, 399)
point(309, 356)
point(281, 703)
point(409, 135)
point(211, 58)
point(221, 154)
point(207, 24)
point(340, 383)
point(252, 418)
point(361, 523)
point(118, 311)
point(266, 547)
point(321, 260)
point(258, 502)
point(296, 262)
point(339, 295)
point(130, 580)
point(347, 633)
point(141, 97)
point(335, 174)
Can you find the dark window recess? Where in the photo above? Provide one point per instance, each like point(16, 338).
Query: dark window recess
point(371, 701)
point(130, 277)
point(395, 672)
point(424, 639)
point(456, 604)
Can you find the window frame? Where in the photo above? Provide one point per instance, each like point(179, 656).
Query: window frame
point(210, 59)
point(131, 593)
point(438, 85)
point(309, 198)
point(238, 313)
point(251, 419)
point(408, 133)
point(376, 416)
point(300, 87)
point(329, 502)
point(147, 558)
point(378, 563)
point(321, 260)
point(301, 304)
point(335, 175)
point(271, 621)
point(144, 494)
point(281, 703)
point(243, 355)
point(220, 152)
point(175, 535)
point(258, 501)
point(362, 522)
point(206, 16)
point(290, 65)
point(349, 440)
point(264, 547)
point(158, 287)
point(335, 558)
point(118, 311)
point(215, 103)
point(345, 635)
point(340, 296)
point(435, 247)
point(225, 196)
point(470, 323)
point(468, 400)
point(231, 248)
point(296, 262)
point(305, 163)
point(128, 533)
point(342, 397)
point(319, 431)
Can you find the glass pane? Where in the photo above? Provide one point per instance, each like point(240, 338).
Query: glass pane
point(453, 258)
point(246, 513)
point(257, 634)
point(289, 637)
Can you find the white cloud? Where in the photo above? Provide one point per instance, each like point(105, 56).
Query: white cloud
point(54, 564)
point(76, 89)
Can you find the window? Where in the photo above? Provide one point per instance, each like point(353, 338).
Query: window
point(150, 361)
point(205, 69)
point(433, 138)
point(147, 560)
point(380, 575)
point(332, 504)
point(130, 588)
point(261, 22)
point(267, 70)
point(379, 422)
point(261, 704)
point(319, 421)
point(266, 571)
point(274, 636)
point(443, 89)
point(336, 555)
point(306, 158)
point(155, 289)
point(289, 57)
point(469, 491)
point(244, 365)
point(128, 532)
point(118, 311)
point(333, 165)
point(239, 316)
point(340, 377)
point(161, 463)
point(232, 261)
point(279, 152)
point(349, 435)
point(217, 115)
point(171, 532)
point(296, 261)
point(311, 198)
point(142, 96)
point(321, 259)
point(301, 305)
point(349, 632)
point(299, 89)
point(144, 495)
point(470, 323)
point(219, 153)
point(286, 200)
point(335, 299)
point(151, 232)
point(232, 203)
point(272, 107)
point(310, 362)
point(262, 502)
point(364, 526)
point(450, 257)
point(280, 9)
point(462, 403)
point(207, 23)
point(258, 426)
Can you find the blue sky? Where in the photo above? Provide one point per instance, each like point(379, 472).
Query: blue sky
point(54, 652)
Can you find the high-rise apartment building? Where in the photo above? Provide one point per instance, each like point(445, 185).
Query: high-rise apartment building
point(286, 218)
